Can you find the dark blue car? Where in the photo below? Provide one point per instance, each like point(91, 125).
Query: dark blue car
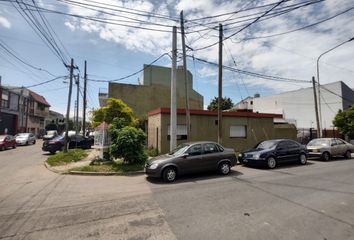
point(272, 152)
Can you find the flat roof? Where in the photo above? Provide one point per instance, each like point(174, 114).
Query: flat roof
point(215, 113)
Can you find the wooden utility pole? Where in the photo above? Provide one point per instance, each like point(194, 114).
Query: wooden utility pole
point(173, 114)
point(316, 107)
point(77, 128)
point(68, 107)
point(84, 102)
point(220, 86)
point(188, 117)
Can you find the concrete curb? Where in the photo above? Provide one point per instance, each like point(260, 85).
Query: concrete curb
point(105, 173)
point(52, 169)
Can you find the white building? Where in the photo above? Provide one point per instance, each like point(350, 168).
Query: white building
point(298, 106)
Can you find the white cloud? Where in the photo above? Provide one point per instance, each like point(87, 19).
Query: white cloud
point(4, 22)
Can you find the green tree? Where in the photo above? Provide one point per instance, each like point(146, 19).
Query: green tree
point(115, 108)
point(226, 104)
point(344, 121)
point(128, 143)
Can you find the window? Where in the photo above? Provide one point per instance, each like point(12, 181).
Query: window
point(181, 132)
point(292, 145)
point(238, 131)
point(339, 142)
point(5, 99)
point(195, 150)
point(210, 148)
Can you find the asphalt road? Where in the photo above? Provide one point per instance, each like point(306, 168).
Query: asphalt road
point(315, 201)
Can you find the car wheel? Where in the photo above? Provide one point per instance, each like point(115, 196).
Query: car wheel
point(348, 155)
point(169, 174)
point(14, 146)
point(303, 159)
point(27, 143)
point(271, 162)
point(224, 168)
point(34, 142)
point(2, 148)
point(326, 156)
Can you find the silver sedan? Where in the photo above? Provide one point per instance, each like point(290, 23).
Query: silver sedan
point(325, 148)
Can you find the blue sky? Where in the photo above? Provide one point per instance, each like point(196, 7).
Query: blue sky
point(116, 51)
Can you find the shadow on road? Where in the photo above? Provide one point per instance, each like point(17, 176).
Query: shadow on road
point(195, 177)
point(279, 166)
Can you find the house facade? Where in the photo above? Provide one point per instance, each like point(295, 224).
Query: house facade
point(241, 130)
point(154, 91)
point(22, 110)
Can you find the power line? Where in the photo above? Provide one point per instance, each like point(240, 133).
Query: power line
point(253, 74)
point(298, 29)
point(11, 52)
point(130, 75)
point(248, 25)
point(42, 83)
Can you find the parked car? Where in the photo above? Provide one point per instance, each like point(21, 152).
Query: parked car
point(272, 152)
point(7, 141)
point(50, 135)
point(25, 139)
point(75, 141)
point(191, 158)
point(325, 148)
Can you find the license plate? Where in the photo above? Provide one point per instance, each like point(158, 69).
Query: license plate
point(314, 150)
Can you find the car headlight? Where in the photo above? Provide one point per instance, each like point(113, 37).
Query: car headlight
point(257, 155)
point(153, 166)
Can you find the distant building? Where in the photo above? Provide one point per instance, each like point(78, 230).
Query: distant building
point(298, 106)
point(54, 117)
point(154, 91)
point(241, 130)
point(22, 110)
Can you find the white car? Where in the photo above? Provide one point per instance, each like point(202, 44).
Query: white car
point(25, 139)
point(325, 148)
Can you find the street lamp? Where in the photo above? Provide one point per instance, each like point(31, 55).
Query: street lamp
point(318, 83)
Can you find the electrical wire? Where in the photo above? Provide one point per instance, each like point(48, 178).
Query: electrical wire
point(42, 83)
point(130, 75)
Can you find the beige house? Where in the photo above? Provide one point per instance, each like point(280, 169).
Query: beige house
point(154, 91)
point(241, 130)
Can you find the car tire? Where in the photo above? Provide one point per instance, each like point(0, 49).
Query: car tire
point(169, 174)
point(52, 152)
point(224, 168)
point(14, 146)
point(271, 162)
point(34, 142)
point(26, 143)
point(303, 159)
point(326, 156)
point(348, 155)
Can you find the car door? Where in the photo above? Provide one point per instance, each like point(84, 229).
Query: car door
point(211, 156)
point(335, 148)
point(342, 148)
point(282, 152)
point(192, 161)
point(294, 150)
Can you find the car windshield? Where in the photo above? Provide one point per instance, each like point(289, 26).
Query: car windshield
point(58, 138)
point(179, 150)
point(22, 134)
point(266, 144)
point(319, 142)
point(51, 132)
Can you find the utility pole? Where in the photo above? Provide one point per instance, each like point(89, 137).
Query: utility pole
point(77, 103)
point(220, 86)
point(173, 115)
point(84, 102)
point(316, 108)
point(68, 107)
point(188, 117)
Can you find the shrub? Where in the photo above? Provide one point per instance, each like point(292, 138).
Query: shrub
point(61, 158)
point(152, 152)
point(129, 145)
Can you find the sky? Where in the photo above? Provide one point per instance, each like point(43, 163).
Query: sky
point(117, 37)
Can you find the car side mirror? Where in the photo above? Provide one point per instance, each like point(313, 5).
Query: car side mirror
point(332, 144)
point(185, 155)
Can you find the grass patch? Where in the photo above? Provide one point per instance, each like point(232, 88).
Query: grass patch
point(62, 158)
point(118, 167)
